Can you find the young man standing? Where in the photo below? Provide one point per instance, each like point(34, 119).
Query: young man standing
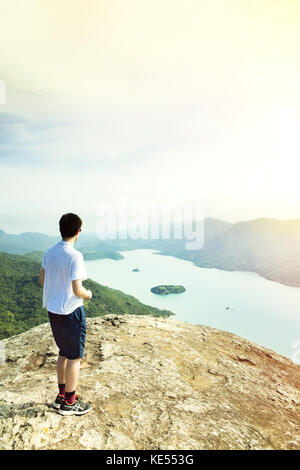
point(61, 276)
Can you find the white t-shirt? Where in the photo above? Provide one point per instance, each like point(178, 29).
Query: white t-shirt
point(63, 264)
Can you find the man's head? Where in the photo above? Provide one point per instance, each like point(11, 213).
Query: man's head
point(70, 226)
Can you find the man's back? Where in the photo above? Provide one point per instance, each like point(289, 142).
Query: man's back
point(62, 271)
point(63, 264)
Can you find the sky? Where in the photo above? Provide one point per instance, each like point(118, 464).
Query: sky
point(165, 101)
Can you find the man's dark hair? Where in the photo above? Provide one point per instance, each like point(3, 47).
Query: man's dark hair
point(69, 225)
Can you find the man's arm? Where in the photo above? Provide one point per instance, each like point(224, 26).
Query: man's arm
point(42, 276)
point(80, 291)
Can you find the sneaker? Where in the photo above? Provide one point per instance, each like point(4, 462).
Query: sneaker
point(77, 408)
point(58, 401)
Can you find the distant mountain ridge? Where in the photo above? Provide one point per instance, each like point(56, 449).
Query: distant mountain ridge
point(89, 243)
point(24, 242)
point(269, 247)
point(34, 244)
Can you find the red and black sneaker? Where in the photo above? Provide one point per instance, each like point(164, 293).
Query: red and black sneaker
point(77, 407)
point(58, 401)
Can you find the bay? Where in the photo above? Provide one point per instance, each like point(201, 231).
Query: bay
point(244, 303)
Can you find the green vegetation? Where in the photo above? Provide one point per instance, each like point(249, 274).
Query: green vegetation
point(100, 254)
point(36, 255)
point(21, 297)
point(167, 289)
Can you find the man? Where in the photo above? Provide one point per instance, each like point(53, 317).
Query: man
point(61, 276)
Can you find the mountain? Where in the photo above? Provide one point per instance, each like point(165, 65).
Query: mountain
point(34, 244)
point(21, 297)
point(155, 384)
point(25, 242)
point(269, 247)
point(211, 227)
point(94, 248)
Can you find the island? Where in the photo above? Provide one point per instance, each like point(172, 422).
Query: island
point(135, 270)
point(167, 289)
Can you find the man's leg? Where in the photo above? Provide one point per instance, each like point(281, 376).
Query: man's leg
point(61, 369)
point(72, 374)
point(71, 404)
point(73, 348)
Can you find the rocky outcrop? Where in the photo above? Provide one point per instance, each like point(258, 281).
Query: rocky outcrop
point(155, 383)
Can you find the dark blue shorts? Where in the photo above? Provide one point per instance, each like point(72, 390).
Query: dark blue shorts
point(69, 332)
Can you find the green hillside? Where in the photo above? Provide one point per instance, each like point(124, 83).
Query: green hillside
point(36, 255)
point(21, 297)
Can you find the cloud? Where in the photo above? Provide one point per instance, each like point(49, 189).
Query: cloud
point(151, 99)
point(115, 136)
point(23, 140)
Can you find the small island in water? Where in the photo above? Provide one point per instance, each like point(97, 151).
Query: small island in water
point(135, 270)
point(167, 289)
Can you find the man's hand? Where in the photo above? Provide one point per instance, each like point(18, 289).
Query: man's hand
point(80, 291)
point(90, 294)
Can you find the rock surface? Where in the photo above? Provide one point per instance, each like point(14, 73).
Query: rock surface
point(155, 383)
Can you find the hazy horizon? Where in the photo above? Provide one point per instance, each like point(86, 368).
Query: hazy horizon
point(90, 230)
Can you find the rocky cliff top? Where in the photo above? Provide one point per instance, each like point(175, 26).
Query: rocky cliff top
point(155, 383)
